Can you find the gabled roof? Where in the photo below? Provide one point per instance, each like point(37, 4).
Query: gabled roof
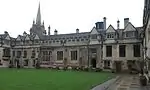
point(110, 29)
point(36, 37)
point(7, 37)
point(129, 27)
point(94, 31)
point(27, 37)
point(18, 38)
point(3, 36)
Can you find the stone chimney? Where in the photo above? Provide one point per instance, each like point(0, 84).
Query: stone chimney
point(55, 32)
point(126, 20)
point(104, 20)
point(49, 28)
point(118, 24)
point(5, 32)
point(24, 33)
point(77, 30)
point(99, 25)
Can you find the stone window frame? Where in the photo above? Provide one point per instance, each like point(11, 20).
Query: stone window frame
point(94, 36)
point(14, 53)
point(69, 40)
point(109, 54)
point(25, 53)
point(136, 50)
point(47, 55)
point(110, 35)
point(82, 39)
point(74, 55)
point(120, 51)
point(130, 34)
point(61, 56)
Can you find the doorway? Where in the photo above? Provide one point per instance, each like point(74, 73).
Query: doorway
point(93, 63)
point(118, 66)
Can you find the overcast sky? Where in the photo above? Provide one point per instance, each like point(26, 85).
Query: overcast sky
point(66, 15)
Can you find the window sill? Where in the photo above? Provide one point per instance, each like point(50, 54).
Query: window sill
point(109, 56)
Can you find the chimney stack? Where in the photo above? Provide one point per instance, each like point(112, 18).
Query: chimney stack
point(118, 24)
point(99, 25)
point(77, 30)
point(49, 30)
point(126, 20)
point(55, 32)
point(104, 20)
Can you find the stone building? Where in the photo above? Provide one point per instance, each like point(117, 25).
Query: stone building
point(106, 48)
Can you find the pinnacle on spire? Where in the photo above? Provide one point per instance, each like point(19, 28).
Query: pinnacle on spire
point(38, 18)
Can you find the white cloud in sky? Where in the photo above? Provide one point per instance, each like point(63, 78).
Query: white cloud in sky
point(67, 15)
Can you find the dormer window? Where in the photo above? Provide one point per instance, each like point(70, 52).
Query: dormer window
point(27, 42)
point(36, 41)
point(110, 35)
point(93, 36)
point(129, 34)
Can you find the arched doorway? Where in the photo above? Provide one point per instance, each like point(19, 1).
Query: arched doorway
point(93, 63)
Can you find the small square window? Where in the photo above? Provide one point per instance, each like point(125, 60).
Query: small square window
point(69, 40)
point(73, 40)
point(82, 39)
point(78, 40)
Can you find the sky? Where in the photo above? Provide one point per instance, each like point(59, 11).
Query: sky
point(67, 15)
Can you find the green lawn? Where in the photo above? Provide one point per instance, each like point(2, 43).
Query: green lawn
point(32, 79)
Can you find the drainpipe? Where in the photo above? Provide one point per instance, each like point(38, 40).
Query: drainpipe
point(88, 51)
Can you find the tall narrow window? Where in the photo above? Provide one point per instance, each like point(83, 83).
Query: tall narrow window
point(59, 55)
point(25, 54)
point(136, 50)
point(18, 54)
point(13, 53)
point(33, 54)
point(122, 50)
point(108, 51)
point(73, 55)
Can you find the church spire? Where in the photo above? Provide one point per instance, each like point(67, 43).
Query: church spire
point(38, 18)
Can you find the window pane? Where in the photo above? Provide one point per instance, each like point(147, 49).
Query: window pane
point(59, 55)
point(136, 50)
point(73, 55)
point(108, 51)
point(122, 50)
point(94, 36)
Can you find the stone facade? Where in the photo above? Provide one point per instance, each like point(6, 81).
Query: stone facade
point(88, 49)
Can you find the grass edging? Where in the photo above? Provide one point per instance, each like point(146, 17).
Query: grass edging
point(103, 86)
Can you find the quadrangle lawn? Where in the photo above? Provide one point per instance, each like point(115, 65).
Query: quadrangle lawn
point(32, 79)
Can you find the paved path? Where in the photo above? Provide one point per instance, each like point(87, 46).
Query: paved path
point(128, 82)
point(122, 82)
point(105, 86)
